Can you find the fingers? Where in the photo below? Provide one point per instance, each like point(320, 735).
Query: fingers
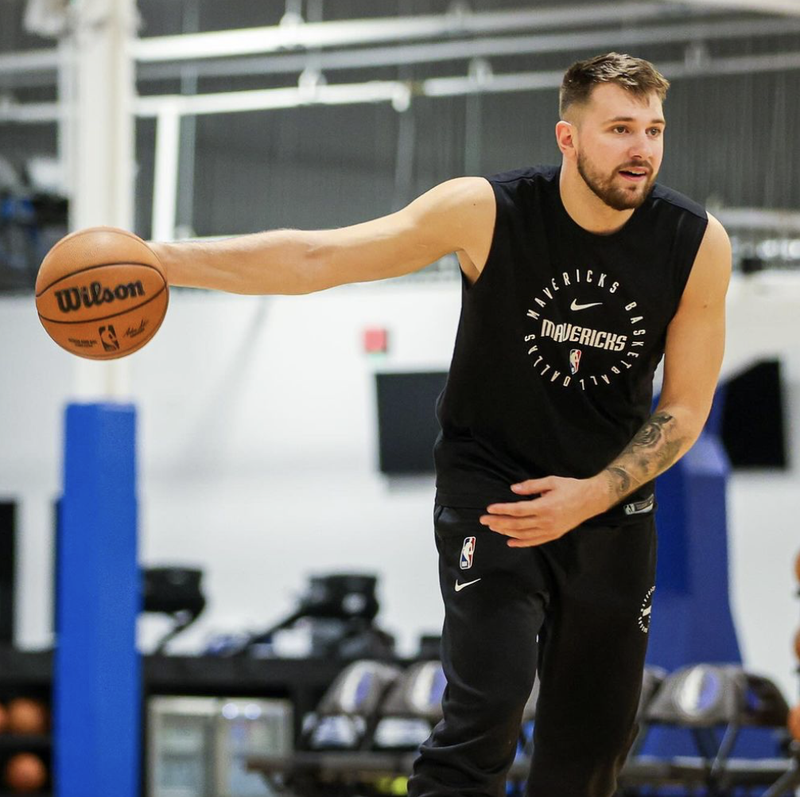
point(515, 509)
point(513, 519)
point(509, 525)
point(528, 537)
point(522, 532)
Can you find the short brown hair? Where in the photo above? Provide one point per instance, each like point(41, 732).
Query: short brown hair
point(635, 75)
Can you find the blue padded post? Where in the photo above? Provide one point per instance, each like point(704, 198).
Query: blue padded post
point(97, 685)
point(692, 620)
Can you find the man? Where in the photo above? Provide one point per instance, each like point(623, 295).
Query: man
point(575, 282)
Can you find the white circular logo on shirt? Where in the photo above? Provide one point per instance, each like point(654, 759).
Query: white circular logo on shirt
point(584, 333)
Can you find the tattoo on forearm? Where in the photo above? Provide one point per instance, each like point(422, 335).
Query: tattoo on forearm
point(623, 481)
point(652, 432)
point(653, 449)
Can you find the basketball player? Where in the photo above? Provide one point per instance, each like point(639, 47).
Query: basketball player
point(576, 280)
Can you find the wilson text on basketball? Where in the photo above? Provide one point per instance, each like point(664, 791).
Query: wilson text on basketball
point(72, 299)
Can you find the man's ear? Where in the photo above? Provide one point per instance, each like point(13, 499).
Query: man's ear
point(565, 138)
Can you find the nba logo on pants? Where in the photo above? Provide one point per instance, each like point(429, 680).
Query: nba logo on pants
point(467, 552)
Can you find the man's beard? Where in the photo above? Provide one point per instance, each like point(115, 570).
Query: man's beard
point(616, 197)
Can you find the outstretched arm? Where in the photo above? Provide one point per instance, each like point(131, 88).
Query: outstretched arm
point(455, 216)
point(693, 358)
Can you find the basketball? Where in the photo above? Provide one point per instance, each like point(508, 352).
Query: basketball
point(794, 722)
point(25, 772)
point(27, 716)
point(101, 293)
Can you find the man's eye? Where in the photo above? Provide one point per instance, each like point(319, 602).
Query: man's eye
point(620, 129)
point(655, 131)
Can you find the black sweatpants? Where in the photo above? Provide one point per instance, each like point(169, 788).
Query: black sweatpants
point(576, 609)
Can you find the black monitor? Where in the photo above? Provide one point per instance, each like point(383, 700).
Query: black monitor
point(7, 572)
point(753, 418)
point(407, 425)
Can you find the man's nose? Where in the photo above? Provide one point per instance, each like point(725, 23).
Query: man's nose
point(641, 147)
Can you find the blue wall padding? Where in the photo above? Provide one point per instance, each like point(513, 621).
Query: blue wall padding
point(97, 683)
point(692, 619)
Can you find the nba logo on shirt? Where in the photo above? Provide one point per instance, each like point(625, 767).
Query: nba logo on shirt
point(467, 552)
point(574, 360)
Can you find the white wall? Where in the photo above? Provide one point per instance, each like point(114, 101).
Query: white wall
point(764, 509)
point(258, 456)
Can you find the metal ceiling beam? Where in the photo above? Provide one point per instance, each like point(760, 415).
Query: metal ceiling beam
point(399, 92)
point(29, 112)
point(678, 70)
point(29, 61)
point(480, 48)
point(271, 99)
point(785, 222)
point(35, 67)
point(760, 6)
point(441, 51)
point(321, 35)
point(396, 92)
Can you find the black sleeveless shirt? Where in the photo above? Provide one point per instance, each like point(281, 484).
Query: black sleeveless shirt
point(558, 341)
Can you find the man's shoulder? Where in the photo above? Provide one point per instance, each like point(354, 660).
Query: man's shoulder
point(527, 174)
point(669, 197)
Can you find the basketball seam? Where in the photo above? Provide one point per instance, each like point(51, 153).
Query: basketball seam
point(99, 265)
point(103, 318)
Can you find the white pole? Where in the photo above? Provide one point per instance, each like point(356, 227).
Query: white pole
point(165, 182)
point(101, 143)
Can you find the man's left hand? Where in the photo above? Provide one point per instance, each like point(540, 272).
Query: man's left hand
point(558, 506)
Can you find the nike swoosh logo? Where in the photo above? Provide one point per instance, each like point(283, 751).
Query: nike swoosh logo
point(576, 306)
point(459, 587)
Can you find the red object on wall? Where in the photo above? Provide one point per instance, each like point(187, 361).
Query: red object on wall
point(376, 340)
